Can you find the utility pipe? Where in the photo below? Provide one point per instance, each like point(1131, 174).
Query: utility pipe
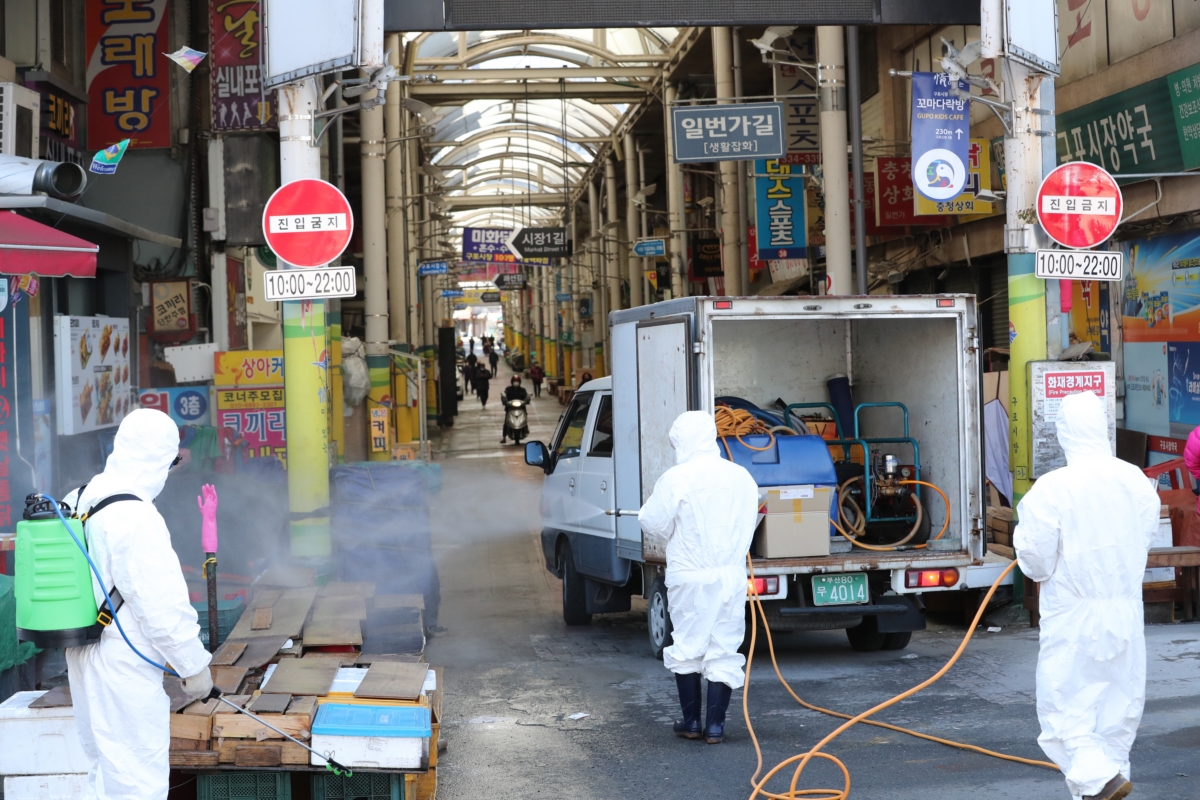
point(676, 202)
point(831, 81)
point(599, 282)
point(612, 240)
point(731, 262)
point(634, 273)
point(743, 183)
point(853, 78)
point(374, 238)
point(397, 213)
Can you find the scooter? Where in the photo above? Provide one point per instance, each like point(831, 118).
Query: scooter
point(516, 420)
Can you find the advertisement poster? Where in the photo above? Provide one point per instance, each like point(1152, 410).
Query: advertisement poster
point(257, 418)
point(1161, 299)
point(779, 211)
point(240, 102)
point(1090, 314)
point(979, 177)
point(92, 357)
point(185, 405)
point(1183, 388)
point(128, 77)
point(235, 369)
point(1146, 378)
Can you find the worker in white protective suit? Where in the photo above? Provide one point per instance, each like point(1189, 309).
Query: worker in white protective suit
point(121, 709)
point(1084, 534)
point(706, 509)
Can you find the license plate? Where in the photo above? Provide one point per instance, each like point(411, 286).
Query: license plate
point(840, 590)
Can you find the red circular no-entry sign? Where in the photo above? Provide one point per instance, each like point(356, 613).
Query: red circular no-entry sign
point(1079, 205)
point(308, 223)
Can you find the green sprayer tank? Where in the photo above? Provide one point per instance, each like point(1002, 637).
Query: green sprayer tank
point(53, 585)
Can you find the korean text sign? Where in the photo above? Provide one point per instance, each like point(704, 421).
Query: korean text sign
point(128, 78)
point(735, 132)
point(779, 211)
point(800, 114)
point(491, 244)
point(238, 368)
point(239, 99)
point(941, 136)
point(257, 417)
point(185, 405)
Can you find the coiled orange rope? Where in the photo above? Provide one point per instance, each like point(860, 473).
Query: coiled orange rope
point(737, 422)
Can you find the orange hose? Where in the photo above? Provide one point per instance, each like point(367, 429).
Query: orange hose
point(804, 758)
point(737, 422)
point(889, 548)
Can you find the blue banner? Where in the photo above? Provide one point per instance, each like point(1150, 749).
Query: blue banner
point(734, 132)
point(941, 136)
point(778, 211)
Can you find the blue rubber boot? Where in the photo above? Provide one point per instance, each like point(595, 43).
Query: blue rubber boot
point(689, 701)
point(718, 704)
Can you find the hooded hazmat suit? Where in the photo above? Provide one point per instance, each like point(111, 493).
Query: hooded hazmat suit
point(121, 710)
point(1084, 532)
point(706, 508)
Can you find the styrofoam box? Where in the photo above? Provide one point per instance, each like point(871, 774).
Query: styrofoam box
point(45, 787)
point(1161, 539)
point(38, 741)
point(372, 737)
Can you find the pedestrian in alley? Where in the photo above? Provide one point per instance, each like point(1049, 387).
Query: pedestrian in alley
point(706, 508)
point(482, 376)
point(537, 375)
point(493, 358)
point(469, 370)
point(1084, 533)
point(471, 346)
point(584, 378)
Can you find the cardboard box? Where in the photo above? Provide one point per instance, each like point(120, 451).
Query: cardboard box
point(796, 524)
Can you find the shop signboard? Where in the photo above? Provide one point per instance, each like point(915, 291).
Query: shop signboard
point(94, 388)
point(128, 78)
point(379, 430)
point(1184, 89)
point(941, 136)
point(778, 211)
point(240, 100)
point(62, 116)
point(186, 405)
point(706, 259)
point(235, 369)
point(979, 179)
point(732, 132)
point(171, 318)
point(257, 418)
point(796, 88)
point(1130, 131)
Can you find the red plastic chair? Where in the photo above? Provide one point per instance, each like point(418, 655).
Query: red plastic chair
point(1176, 472)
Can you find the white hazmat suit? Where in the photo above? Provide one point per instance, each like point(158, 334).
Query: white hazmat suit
point(121, 709)
point(706, 507)
point(1084, 531)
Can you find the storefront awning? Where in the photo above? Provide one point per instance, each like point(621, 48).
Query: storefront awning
point(27, 246)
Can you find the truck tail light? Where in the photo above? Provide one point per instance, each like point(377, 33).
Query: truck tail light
point(764, 586)
point(930, 578)
point(722, 305)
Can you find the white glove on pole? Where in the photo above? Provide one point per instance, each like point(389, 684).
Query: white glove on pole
point(199, 685)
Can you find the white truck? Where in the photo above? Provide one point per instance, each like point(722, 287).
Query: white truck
point(913, 366)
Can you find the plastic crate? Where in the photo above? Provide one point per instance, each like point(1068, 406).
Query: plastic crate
point(362, 786)
point(228, 614)
point(244, 786)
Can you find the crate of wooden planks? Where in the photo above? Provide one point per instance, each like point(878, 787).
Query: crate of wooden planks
point(1000, 525)
point(210, 733)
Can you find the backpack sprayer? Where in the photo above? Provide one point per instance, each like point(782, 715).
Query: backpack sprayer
point(56, 606)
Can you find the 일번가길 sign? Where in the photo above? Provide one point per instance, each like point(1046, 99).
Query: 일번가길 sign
point(735, 132)
point(941, 136)
point(779, 211)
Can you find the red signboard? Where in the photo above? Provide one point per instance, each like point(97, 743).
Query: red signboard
point(308, 223)
point(239, 100)
point(128, 77)
point(896, 202)
point(1079, 205)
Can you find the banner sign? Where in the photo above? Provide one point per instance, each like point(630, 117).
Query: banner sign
point(185, 405)
point(128, 80)
point(235, 369)
point(240, 102)
point(779, 211)
point(491, 244)
point(92, 358)
point(941, 136)
point(733, 132)
point(706, 259)
point(801, 115)
point(979, 178)
point(256, 416)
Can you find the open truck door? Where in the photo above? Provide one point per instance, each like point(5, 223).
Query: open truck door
point(652, 385)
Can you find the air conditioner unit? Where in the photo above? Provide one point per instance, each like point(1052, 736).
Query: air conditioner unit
point(20, 117)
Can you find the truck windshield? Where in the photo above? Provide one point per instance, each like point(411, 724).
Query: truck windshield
point(570, 437)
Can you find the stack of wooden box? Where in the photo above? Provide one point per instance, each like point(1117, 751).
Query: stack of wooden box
point(1000, 525)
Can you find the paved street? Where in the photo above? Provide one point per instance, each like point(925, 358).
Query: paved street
point(515, 673)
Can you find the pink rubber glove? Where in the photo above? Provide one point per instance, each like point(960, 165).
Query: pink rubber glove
point(208, 511)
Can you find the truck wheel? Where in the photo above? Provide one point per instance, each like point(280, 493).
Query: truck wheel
point(896, 641)
point(574, 599)
point(865, 637)
point(658, 618)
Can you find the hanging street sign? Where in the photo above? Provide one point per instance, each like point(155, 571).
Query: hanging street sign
point(510, 280)
point(308, 223)
point(526, 243)
point(451, 293)
point(650, 248)
point(941, 136)
point(426, 268)
point(778, 211)
point(309, 284)
point(1080, 265)
point(734, 132)
point(489, 297)
point(1079, 205)
point(562, 297)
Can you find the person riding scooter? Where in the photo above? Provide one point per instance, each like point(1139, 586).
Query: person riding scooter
point(516, 420)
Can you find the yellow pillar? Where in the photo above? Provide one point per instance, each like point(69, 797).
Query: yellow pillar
point(306, 399)
point(402, 416)
point(337, 421)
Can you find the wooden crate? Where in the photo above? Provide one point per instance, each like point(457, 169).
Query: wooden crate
point(1000, 525)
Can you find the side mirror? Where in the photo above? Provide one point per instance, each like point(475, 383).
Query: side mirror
point(536, 455)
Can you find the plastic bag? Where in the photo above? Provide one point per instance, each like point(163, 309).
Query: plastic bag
point(356, 378)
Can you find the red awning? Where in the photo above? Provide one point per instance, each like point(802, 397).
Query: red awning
point(27, 246)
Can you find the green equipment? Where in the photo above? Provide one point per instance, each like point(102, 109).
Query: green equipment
point(55, 603)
